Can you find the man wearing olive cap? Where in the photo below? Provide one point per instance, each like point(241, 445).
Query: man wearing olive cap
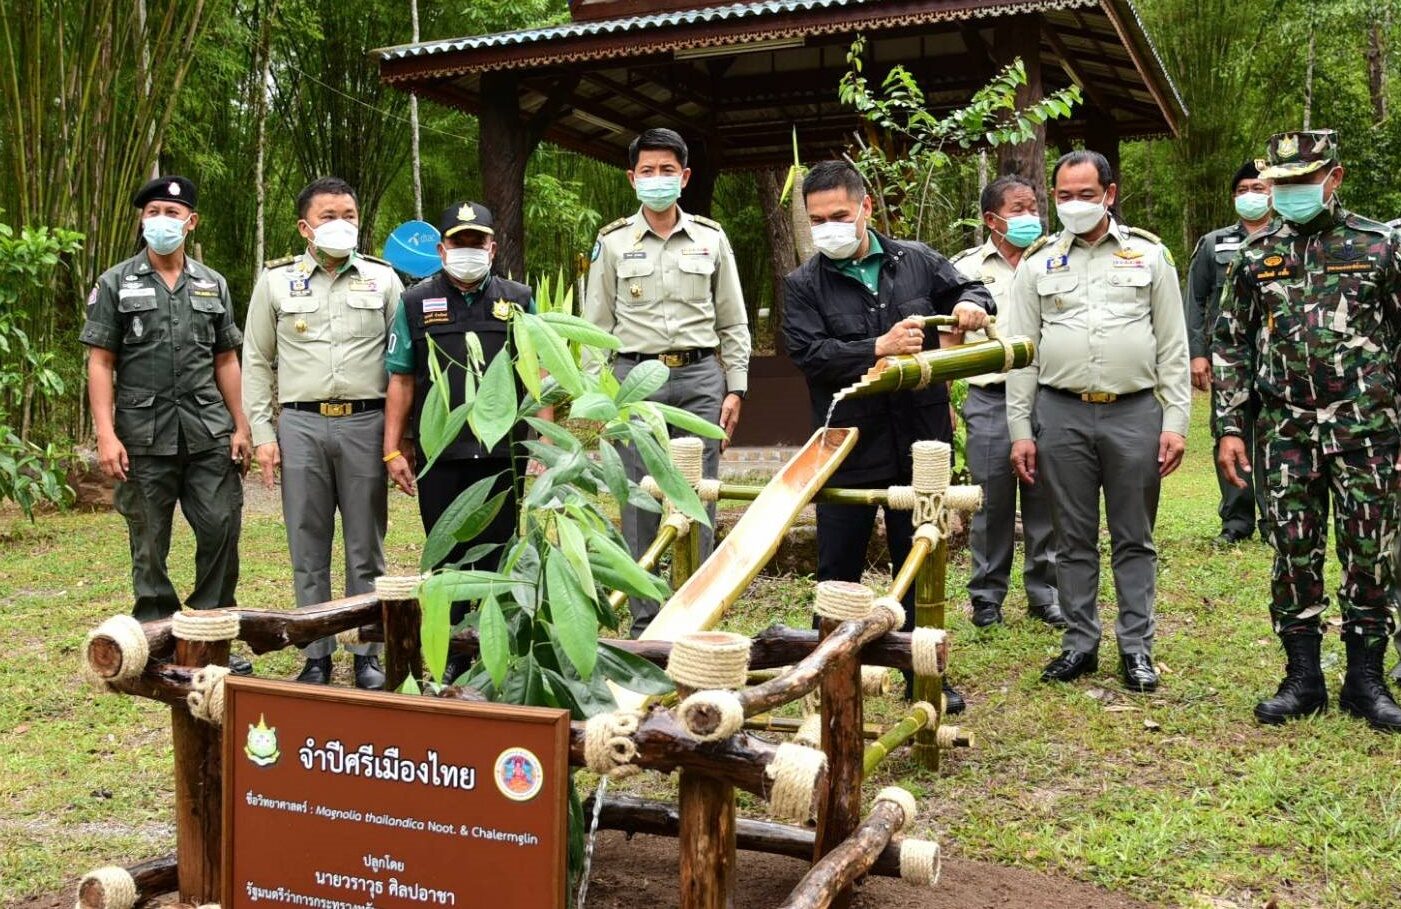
point(1309, 325)
point(164, 384)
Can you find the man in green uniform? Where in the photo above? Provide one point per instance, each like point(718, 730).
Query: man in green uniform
point(665, 283)
point(163, 381)
point(323, 318)
point(1205, 277)
point(1309, 326)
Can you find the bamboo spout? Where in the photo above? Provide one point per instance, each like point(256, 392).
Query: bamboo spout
point(910, 371)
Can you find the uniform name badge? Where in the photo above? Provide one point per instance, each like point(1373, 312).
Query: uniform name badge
point(501, 309)
point(364, 285)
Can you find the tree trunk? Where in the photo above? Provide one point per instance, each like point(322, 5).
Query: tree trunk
point(413, 123)
point(502, 154)
point(783, 251)
point(1308, 76)
point(1020, 36)
point(260, 117)
point(1376, 66)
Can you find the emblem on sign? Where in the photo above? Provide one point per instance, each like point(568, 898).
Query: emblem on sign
point(519, 774)
point(261, 745)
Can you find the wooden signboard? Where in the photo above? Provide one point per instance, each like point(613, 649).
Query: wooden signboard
point(339, 798)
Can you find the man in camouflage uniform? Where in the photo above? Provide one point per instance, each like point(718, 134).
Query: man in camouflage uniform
point(1308, 324)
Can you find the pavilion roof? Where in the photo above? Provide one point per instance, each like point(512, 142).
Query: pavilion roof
point(745, 74)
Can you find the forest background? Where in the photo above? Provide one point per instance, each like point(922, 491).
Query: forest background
point(253, 98)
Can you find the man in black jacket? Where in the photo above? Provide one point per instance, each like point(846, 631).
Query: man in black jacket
point(861, 299)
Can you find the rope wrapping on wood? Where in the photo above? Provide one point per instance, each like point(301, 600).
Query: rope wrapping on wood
point(680, 522)
point(708, 490)
point(905, 799)
point(794, 771)
point(688, 454)
point(724, 703)
point(130, 639)
point(895, 608)
point(650, 487)
point(932, 721)
point(396, 587)
point(206, 701)
point(202, 625)
point(809, 731)
point(608, 746)
point(901, 498)
point(118, 888)
point(928, 532)
point(947, 737)
point(924, 650)
point(920, 862)
point(965, 499)
point(875, 681)
point(927, 510)
point(842, 601)
point(932, 461)
point(709, 660)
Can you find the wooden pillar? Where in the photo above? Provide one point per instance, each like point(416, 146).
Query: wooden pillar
point(503, 150)
point(1020, 36)
point(199, 814)
point(843, 741)
point(403, 641)
point(1102, 135)
point(929, 613)
point(706, 805)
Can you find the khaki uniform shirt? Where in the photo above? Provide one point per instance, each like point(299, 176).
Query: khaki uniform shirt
point(1105, 317)
point(316, 336)
point(677, 293)
point(987, 265)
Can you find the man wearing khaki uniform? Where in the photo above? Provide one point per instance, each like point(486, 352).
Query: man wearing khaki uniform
point(316, 332)
point(664, 283)
point(1104, 407)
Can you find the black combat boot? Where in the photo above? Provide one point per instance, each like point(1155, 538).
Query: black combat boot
point(1364, 689)
point(1303, 691)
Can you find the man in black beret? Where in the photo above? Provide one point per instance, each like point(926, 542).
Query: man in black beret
point(165, 390)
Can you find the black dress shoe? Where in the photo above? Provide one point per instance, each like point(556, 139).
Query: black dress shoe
point(1050, 614)
point(953, 701)
point(985, 613)
point(239, 665)
point(1138, 672)
point(1070, 665)
point(1230, 538)
point(368, 674)
point(317, 671)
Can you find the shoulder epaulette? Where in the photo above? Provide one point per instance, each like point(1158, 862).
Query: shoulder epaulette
point(958, 256)
point(609, 228)
point(278, 263)
point(375, 259)
point(1358, 222)
point(708, 222)
point(1040, 242)
point(1147, 235)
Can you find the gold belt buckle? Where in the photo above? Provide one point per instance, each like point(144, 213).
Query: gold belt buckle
point(1099, 397)
point(335, 410)
point(673, 361)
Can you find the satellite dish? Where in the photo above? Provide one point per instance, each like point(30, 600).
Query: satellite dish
point(412, 248)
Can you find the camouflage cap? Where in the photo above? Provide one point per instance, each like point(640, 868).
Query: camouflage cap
point(1299, 152)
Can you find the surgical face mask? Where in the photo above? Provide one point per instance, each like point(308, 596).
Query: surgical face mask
point(163, 233)
point(1252, 206)
point(836, 239)
point(1022, 230)
point(467, 264)
point(1299, 202)
point(336, 238)
point(658, 193)
point(1081, 217)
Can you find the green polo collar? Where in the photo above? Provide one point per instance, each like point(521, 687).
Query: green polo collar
point(867, 268)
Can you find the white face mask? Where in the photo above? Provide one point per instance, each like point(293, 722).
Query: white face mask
point(836, 239)
point(336, 238)
point(1082, 217)
point(467, 264)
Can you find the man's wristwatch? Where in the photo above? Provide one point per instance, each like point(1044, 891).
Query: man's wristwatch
point(737, 393)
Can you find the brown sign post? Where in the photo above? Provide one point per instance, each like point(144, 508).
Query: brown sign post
point(339, 798)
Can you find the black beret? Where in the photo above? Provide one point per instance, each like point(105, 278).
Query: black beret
point(1248, 171)
point(166, 189)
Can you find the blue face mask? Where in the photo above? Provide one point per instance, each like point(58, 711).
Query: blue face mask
point(1299, 203)
point(163, 233)
point(1023, 230)
point(658, 193)
point(1252, 206)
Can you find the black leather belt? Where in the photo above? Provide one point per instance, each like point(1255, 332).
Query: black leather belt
point(1098, 397)
point(992, 388)
point(673, 359)
point(336, 408)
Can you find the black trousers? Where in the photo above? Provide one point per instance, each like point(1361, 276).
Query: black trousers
point(445, 482)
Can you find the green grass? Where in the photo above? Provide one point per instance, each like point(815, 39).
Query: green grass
point(1203, 809)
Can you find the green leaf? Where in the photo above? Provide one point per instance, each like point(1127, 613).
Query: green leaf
point(593, 405)
point(571, 542)
point(494, 640)
point(561, 437)
point(494, 411)
point(642, 382)
point(478, 520)
point(435, 629)
point(614, 473)
point(555, 356)
point(621, 569)
point(469, 585)
point(659, 465)
point(450, 431)
point(689, 422)
point(581, 330)
point(443, 536)
point(410, 686)
point(632, 672)
point(573, 622)
point(527, 363)
point(432, 425)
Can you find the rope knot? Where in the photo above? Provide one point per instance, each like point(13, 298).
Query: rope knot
point(608, 746)
point(108, 887)
point(206, 701)
point(925, 647)
point(135, 649)
point(397, 587)
point(905, 799)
